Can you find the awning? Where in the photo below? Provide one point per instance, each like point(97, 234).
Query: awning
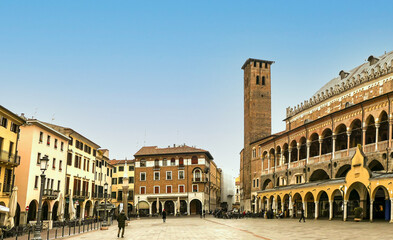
point(4, 209)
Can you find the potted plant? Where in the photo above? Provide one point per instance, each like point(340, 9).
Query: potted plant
point(358, 214)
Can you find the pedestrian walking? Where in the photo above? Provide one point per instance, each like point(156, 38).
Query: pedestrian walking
point(163, 215)
point(302, 216)
point(121, 222)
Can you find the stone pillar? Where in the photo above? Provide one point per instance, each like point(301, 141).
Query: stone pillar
point(305, 209)
point(308, 150)
point(50, 220)
point(268, 204)
point(316, 203)
point(289, 157)
point(177, 203)
point(371, 210)
point(330, 210)
point(150, 206)
point(320, 140)
point(281, 158)
point(348, 141)
point(345, 210)
point(376, 135)
point(298, 151)
point(334, 137)
point(158, 206)
point(188, 207)
point(82, 212)
point(290, 207)
point(364, 129)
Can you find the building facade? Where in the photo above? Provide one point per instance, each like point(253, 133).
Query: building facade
point(177, 179)
point(335, 153)
point(38, 140)
point(236, 203)
point(120, 170)
point(9, 156)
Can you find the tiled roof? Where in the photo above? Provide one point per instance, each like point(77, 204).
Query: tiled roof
point(115, 161)
point(183, 149)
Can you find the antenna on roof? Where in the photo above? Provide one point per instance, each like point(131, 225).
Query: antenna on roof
point(35, 113)
point(53, 117)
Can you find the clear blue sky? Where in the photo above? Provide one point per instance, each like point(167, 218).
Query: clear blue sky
point(163, 72)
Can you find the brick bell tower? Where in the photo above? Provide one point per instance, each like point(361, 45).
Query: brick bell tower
point(257, 114)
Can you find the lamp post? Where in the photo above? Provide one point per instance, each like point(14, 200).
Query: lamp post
point(105, 223)
point(43, 166)
point(138, 205)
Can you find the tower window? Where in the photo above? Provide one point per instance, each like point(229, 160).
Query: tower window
point(255, 64)
point(263, 80)
point(266, 65)
point(257, 80)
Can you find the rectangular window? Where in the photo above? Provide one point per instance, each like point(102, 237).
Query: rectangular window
point(156, 163)
point(94, 152)
point(253, 183)
point(121, 169)
point(142, 190)
point(173, 162)
point(181, 174)
point(143, 163)
point(41, 137)
point(181, 188)
point(156, 175)
point(194, 160)
point(181, 162)
point(156, 189)
point(38, 158)
point(69, 159)
point(114, 181)
point(168, 175)
point(164, 162)
point(4, 122)
point(131, 179)
point(257, 182)
point(120, 180)
point(195, 188)
point(48, 141)
point(36, 182)
point(61, 165)
point(76, 161)
point(130, 168)
point(169, 189)
point(71, 141)
point(54, 163)
point(55, 143)
point(113, 195)
point(14, 127)
point(143, 176)
point(58, 185)
point(61, 146)
point(114, 170)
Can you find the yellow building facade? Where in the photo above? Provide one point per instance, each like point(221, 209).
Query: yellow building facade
point(9, 157)
point(121, 169)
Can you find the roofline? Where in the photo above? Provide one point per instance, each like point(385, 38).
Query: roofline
point(255, 59)
point(321, 119)
point(21, 120)
point(159, 154)
point(39, 123)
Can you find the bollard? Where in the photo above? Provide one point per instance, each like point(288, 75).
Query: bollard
point(47, 234)
point(79, 226)
point(69, 230)
point(62, 233)
point(16, 229)
point(83, 227)
point(28, 235)
point(74, 227)
point(56, 233)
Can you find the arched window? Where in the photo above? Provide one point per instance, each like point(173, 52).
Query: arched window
point(197, 175)
point(263, 80)
point(257, 80)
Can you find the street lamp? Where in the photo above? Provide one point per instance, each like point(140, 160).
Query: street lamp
point(43, 166)
point(105, 223)
point(138, 205)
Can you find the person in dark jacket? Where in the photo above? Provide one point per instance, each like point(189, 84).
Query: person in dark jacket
point(121, 221)
point(163, 215)
point(302, 216)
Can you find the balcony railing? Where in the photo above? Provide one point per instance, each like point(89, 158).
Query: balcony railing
point(97, 195)
point(9, 158)
point(156, 167)
point(181, 166)
point(81, 194)
point(199, 180)
point(50, 194)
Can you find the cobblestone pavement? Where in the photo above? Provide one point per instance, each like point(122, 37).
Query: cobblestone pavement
point(215, 229)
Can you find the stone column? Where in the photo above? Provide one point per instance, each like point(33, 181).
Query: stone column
point(308, 150)
point(188, 207)
point(345, 210)
point(364, 129)
point(334, 137)
point(330, 210)
point(281, 158)
point(290, 207)
point(305, 209)
point(348, 141)
point(320, 140)
point(158, 206)
point(50, 220)
point(268, 204)
point(298, 151)
point(371, 210)
point(316, 203)
point(289, 157)
point(82, 212)
point(150, 206)
point(376, 135)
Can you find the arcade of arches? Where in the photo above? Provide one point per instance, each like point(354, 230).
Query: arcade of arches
point(335, 199)
point(172, 207)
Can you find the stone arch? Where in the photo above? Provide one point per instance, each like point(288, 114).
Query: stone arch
point(267, 184)
point(343, 170)
point(381, 203)
point(338, 204)
point(154, 208)
point(264, 160)
point(88, 208)
point(356, 133)
point(309, 201)
point(285, 152)
point(273, 203)
point(297, 204)
point(341, 137)
point(272, 155)
point(285, 202)
point(303, 148)
point(383, 132)
point(375, 165)
point(323, 204)
point(327, 143)
point(54, 210)
point(195, 206)
point(293, 147)
point(45, 210)
point(370, 129)
point(358, 195)
point(314, 145)
point(279, 203)
point(197, 174)
point(278, 155)
point(169, 207)
point(319, 175)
